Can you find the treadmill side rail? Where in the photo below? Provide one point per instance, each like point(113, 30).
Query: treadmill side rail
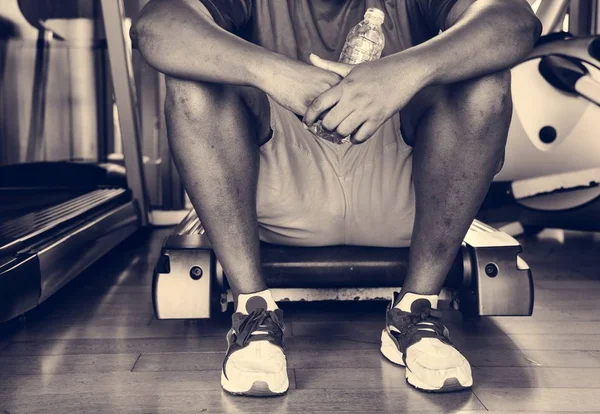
point(19, 286)
point(69, 255)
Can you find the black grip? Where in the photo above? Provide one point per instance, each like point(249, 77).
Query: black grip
point(562, 72)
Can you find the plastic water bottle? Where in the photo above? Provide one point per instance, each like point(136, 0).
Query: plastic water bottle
point(364, 43)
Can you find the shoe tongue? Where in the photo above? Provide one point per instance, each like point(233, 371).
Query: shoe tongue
point(254, 303)
point(412, 302)
point(420, 305)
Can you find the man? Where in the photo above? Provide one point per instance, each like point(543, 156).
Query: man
point(428, 125)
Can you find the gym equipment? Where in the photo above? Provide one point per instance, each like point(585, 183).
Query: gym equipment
point(488, 276)
point(552, 168)
point(58, 218)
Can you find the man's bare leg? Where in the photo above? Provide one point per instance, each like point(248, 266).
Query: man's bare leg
point(214, 133)
point(459, 133)
point(459, 138)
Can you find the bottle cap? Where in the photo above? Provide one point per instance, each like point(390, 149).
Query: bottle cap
point(374, 15)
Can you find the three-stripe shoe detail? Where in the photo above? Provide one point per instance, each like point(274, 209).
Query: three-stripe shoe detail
point(420, 342)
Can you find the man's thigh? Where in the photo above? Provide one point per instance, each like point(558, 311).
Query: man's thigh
point(207, 102)
point(257, 103)
point(414, 112)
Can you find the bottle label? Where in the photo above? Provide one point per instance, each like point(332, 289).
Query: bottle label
point(358, 51)
point(355, 56)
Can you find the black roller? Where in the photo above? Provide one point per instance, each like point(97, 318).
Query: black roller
point(314, 267)
point(341, 266)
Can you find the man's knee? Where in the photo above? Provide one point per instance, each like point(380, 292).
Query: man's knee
point(211, 102)
point(487, 99)
point(195, 100)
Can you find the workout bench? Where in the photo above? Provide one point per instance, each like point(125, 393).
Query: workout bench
point(487, 278)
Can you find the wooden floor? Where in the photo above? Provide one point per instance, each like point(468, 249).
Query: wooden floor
point(95, 347)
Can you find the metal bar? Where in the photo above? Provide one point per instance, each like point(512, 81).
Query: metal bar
point(552, 13)
point(580, 17)
point(125, 95)
point(596, 18)
point(38, 97)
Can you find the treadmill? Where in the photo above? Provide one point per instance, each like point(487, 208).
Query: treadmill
point(58, 218)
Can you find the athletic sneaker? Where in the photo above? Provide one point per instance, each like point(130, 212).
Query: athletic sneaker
point(417, 340)
point(255, 364)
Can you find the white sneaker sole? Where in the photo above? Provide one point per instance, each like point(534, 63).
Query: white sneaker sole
point(255, 384)
point(393, 354)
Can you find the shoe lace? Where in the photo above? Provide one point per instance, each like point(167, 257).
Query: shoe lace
point(260, 325)
point(423, 324)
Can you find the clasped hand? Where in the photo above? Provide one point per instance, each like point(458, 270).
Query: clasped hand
point(366, 96)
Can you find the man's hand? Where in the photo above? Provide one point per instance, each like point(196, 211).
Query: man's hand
point(369, 94)
point(294, 84)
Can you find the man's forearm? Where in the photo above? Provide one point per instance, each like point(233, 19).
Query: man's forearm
point(179, 38)
point(489, 37)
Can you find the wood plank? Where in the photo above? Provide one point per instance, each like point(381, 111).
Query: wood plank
point(157, 345)
point(179, 361)
point(571, 305)
point(511, 325)
point(554, 295)
point(527, 342)
point(155, 329)
point(536, 377)
point(66, 310)
point(387, 375)
point(562, 313)
point(555, 269)
point(89, 318)
point(351, 358)
point(156, 400)
point(532, 334)
point(498, 357)
point(34, 324)
point(112, 298)
point(70, 355)
point(112, 346)
point(540, 399)
point(95, 290)
point(563, 285)
point(136, 383)
point(190, 361)
point(491, 326)
point(63, 364)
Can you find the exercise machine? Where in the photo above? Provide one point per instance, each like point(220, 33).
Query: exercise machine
point(58, 218)
point(551, 175)
point(488, 276)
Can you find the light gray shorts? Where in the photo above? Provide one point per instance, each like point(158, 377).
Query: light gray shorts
point(312, 192)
